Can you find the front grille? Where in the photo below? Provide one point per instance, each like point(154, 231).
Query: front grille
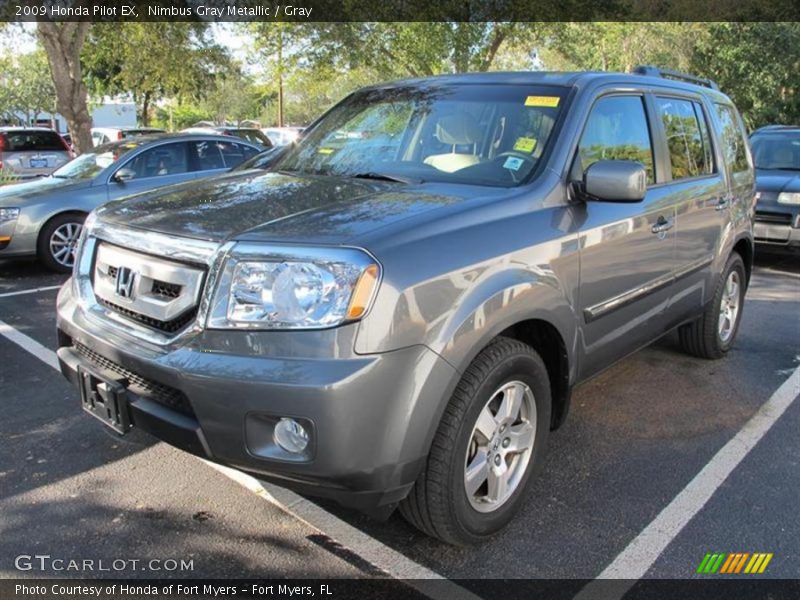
point(773, 218)
point(165, 290)
point(173, 326)
point(146, 388)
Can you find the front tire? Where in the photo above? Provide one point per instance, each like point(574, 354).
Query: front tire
point(713, 334)
point(58, 242)
point(488, 444)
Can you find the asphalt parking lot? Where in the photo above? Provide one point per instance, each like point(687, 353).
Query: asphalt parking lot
point(636, 436)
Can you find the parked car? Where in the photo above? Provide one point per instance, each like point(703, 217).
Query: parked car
point(28, 152)
point(405, 328)
point(44, 217)
point(251, 134)
point(776, 151)
point(105, 135)
point(281, 136)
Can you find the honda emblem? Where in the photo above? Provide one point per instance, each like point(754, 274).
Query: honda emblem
point(124, 282)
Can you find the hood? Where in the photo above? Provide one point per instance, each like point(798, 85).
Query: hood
point(258, 206)
point(31, 192)
point(777, 181)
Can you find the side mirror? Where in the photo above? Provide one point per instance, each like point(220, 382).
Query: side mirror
point(123, 175)
point(615, 181)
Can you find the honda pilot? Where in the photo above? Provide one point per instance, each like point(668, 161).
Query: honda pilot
point(394, 314)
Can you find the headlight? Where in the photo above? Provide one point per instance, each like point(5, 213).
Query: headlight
point(789, 198)
point(8, 214)
point(271, 287)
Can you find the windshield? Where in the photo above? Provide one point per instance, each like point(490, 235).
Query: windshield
point(88, 165)
point(777, 150)
point(475, 134)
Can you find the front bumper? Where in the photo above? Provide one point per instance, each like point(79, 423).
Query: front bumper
point(777, 224)
point(373, 416)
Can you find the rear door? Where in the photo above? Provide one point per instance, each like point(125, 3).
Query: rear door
point(627, 248)
point(695, 183)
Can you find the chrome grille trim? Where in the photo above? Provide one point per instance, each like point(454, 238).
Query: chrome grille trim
point(146, 271)
point(198, 252)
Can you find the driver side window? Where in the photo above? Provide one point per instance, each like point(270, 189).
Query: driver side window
point(616, 130)
point(169, 159)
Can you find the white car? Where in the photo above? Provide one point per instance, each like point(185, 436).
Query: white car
point(104, 135)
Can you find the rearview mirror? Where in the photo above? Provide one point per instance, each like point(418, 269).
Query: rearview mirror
point(615, 181)
point(123, 175)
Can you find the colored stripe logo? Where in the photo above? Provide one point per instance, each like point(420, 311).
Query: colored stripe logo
point(734, 562)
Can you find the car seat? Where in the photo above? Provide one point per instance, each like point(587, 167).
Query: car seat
point(455, 130)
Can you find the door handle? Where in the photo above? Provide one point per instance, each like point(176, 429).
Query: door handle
point(662, 225)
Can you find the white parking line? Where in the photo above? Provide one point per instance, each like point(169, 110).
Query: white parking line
point(29, 344)
point(368, 548)
point(31, 291)
point(634, 562)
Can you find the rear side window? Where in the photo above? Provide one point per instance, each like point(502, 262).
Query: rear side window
point(733, 144)
point(206, 155)
point(616, 130)
point(33, 141)
point(687, 137)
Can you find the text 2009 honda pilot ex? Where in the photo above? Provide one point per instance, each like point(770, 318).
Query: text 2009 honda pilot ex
point(395, 314)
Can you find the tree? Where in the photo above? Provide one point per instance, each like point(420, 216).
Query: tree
point(620, 46)
point(152, 61)
point(63, 43)
point(758, 65)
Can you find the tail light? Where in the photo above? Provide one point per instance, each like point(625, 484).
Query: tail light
point(2, 142)
point(69, 151)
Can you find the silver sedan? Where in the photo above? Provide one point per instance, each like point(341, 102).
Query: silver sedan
point(44, 217)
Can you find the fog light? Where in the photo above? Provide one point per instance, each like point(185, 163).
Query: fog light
point(291, 436)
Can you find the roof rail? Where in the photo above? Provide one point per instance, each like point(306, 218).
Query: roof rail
point(652, 71)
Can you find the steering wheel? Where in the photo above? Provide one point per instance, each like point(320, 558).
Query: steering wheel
point(515, 154)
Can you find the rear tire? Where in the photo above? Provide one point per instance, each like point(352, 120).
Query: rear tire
point(58, 241)
point(713, 334)
point(509, 380)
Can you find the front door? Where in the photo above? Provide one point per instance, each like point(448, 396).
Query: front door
point(627, 249)
point(162, 165)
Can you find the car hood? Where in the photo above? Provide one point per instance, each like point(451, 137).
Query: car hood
point(32, 192)
point(258, 206)
point(777, 181)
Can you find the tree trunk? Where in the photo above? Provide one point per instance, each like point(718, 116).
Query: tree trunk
point(146, 109)
point(63, 43)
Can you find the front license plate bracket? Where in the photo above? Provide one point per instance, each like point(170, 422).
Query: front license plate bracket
point(105, 397)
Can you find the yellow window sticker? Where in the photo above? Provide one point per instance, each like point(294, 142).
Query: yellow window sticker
point(545, 101)
point(325, 150)
point(525, 144)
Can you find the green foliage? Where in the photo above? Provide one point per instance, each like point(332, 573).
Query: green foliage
point(152, 61)
point(26, 86)
point(757, 65)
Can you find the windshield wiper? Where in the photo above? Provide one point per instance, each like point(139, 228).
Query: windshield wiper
point(384, 177)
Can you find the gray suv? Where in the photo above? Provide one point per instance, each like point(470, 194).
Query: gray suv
point(395, 313)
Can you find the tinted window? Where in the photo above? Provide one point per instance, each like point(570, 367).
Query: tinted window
point(776, 150)
point(34, 141)
point(616, 130)
point(733, 144)
point(206, 155)
point(169, 159)
point(235, 154)
point(688, 143)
